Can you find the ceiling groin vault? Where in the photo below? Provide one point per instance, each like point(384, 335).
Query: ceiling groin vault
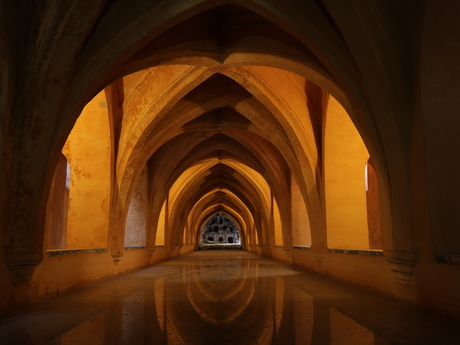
point(324, 130)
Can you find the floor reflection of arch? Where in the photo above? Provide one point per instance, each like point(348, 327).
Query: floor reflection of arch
point(199, 306)
point(208, 289)
point(224, 302)
point(225, 288)
point(153, 306)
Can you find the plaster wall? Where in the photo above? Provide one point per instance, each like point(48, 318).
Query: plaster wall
point(146, 106)
point(136, 220)
point(57, 209)
point(287, 92)
point(160, 235)
point(88, 151)
point(373, 210)
point(68, 271)
point(277, 224)
point(439, 90)
point(65, 270)
point(431, 285)
point(277, 252)
point(254, 248)
point(344, 160)
point(301, 233)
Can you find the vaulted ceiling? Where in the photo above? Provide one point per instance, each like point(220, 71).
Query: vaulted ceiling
point(224, 101)
point(219, 130)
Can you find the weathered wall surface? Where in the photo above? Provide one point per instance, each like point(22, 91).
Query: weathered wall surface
point(430, 283)
point(345, 156)
point(439, 88)
point(136, 220)
point(301, 233)
point(393, 68)
point(88, 151)
point(373, 209)
point(67, 270)
point(57, 209)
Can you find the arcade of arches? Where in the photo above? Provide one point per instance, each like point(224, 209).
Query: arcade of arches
point(327, 131)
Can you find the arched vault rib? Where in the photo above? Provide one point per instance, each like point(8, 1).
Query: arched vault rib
point(166, 165)
point(240, 123)
point(220, 176)
point(101, 49)
point(153, 126)
point(116, 48)
point(169, 163)
point(192, 179)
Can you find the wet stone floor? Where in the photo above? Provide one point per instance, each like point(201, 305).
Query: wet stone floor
point(224, 297)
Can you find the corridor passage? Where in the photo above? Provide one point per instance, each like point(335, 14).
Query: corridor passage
point(224, 297)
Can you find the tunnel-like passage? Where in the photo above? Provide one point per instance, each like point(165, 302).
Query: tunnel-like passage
point(326, 131)
point(259, 149)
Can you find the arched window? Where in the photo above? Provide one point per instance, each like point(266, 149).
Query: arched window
point(220, 229)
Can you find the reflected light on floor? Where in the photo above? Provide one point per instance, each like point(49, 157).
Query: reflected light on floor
point(224, 297)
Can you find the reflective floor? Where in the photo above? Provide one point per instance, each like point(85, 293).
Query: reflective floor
point(224, 297)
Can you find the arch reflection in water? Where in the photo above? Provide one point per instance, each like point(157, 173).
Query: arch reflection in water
point(230, 299)
point(224, 297)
